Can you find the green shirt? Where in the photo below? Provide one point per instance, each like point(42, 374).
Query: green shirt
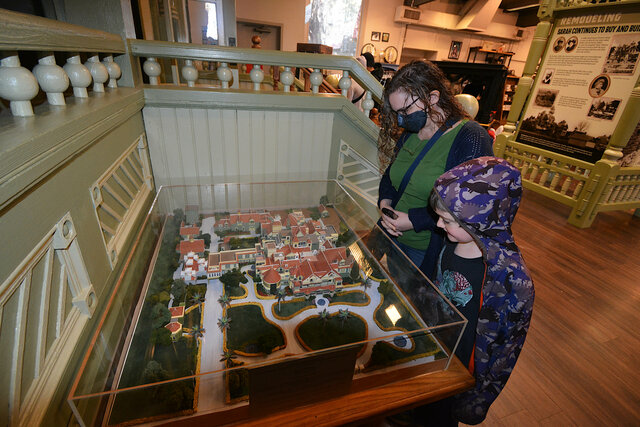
point(417, 193)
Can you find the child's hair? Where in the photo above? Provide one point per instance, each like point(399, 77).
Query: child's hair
point(436, 202)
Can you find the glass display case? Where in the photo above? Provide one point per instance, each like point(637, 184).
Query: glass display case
point(239, 300)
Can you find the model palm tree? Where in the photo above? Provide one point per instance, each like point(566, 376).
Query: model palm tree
point(224, 301)
point(227, 358)
point(223, 323)
point(365, 285)
point(197, 331)
point(281, 294)
point(343, 315)
point(324, 316)
point(197, 298)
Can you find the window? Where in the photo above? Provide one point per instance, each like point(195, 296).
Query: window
point(335, 23)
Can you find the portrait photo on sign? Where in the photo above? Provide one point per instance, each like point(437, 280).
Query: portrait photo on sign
point(599, 86)
point(545, 98)
point(454, 50)
point(547, 76)
point(385, 37)
point(622, 56)
point(375, 36)
point(558, 44)
point(604, 108)
point(572, 43)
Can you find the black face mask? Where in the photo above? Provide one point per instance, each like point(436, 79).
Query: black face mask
point(413, 122)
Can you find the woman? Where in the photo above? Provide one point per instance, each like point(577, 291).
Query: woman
point(438, 136)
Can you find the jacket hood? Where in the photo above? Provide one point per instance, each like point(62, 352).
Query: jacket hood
point(484, 195)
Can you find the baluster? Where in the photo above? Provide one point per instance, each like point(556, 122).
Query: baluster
point(636, 191)
point(316, 80)
point(99, 73)
point(345, 82)
point(18, 85)
point(189, 73)
point(628, 191)
point(565, 185)
point(152, 69)
point(52, 79)
point(257, 75)
point(556, 178)
point(224, 75)
point(544, 176)
point(534, 173)
point(114, 71)
point(576, 192)
point(79, 76)
point(286, 78)
point(624, 185)
point(367, 103)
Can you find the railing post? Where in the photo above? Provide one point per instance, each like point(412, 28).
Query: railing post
point(18, 85)
point(189, 73)
point(224, 74)
point(286, 78)
point(316, 80)
point(345, 82)
point(98, 72)
point(367, 103)
point(257, 75)
point(152, 69)
point(114, 71)
point(52, 79)
point(79, 75)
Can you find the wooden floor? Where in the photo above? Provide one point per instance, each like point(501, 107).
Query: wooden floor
point(580, 362)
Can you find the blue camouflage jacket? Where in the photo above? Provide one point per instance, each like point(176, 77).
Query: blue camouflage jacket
point(483, 194)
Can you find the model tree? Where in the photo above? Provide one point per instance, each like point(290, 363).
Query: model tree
point(177, 289)
point(223, 323)
point(224, 301)
point(280, 294)
point(160, 315)
point(343, 315)
point(227, 358)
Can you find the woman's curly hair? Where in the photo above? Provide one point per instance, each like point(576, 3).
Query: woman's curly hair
point(418, 79)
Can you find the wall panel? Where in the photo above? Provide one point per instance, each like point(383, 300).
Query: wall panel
point(193, 146)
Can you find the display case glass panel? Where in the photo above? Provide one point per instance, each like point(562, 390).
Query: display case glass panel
point(242, 299)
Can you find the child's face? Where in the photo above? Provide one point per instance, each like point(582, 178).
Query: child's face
point(455, 232)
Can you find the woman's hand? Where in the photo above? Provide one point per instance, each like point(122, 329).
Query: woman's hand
point(395, 227)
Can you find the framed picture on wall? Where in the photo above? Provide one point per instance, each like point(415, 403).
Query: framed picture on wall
point(385, 37)
point(375, 36)
point(454, 50)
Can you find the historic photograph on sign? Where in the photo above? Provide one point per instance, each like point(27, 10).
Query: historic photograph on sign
point(546, 97)
point(604, 108)
point(622, 56)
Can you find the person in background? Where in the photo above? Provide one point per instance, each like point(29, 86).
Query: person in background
point(482, 272)
point(438, 135)
point(495, 129)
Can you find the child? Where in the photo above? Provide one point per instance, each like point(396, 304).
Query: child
point(482, 272)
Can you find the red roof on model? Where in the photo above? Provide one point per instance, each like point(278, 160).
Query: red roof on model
point(174, 327)
point(186, 231)
point(177, 311)
point(191, 246)
point(271, 277)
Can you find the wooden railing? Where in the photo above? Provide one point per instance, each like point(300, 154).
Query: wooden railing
point(588, 188)
point(224, 56)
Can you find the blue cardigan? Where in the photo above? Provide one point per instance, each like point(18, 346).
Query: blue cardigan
point(472, 141)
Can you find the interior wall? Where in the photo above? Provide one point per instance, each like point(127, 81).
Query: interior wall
point(287, 13)
point(378, 16)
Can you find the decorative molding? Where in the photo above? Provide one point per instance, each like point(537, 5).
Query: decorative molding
point(119, 195)
point(357, 173)
point(36, 149)
point(45, 304)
